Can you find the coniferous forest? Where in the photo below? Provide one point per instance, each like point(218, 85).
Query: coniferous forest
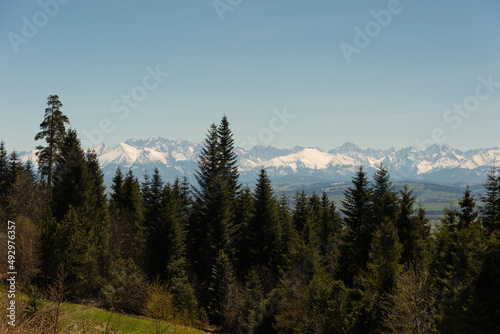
point(218, 255)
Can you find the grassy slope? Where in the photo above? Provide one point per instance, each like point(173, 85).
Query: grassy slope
point(78, 318)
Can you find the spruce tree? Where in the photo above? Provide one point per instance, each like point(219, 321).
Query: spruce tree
point(263, 227)
point(98, 212)
point(221, 282)
point(403, 221)
point(14, 168)
point(3, 166)
point(357, 212)
point(458, 256)
point(117, 189)
point(53, 131)
point(385, 254)
point(330, 224)
point(380, 277)
point(490, 212)
point(212, 215)
point(413, 229)
point(75, 250)
point(71, 184)
point(287, 232)
point(29, 170)
point(177, 230)
point(301, 211)
point(468, 214)
point(416, 247)
point(385, 200)
point(152, 193)
point(132, 224)
point(242, 242)
point(227, 157)
point(183, 189)
point(486, 307)
point(80, 235)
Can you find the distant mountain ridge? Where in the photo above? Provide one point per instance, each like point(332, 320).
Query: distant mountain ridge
point(437, 163)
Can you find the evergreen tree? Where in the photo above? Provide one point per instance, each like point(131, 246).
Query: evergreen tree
point(183, 189)
point(71, 177)
point(385, 200)
point(14, 168)
point(152, 193)
point(490, 212)
point(117, 189)
point(132, 223)
point(301, 212)
point(227, 158)
point(222, 279)
point(330, 224)
point(287, 233)
point(403, 221)
point(74, 244)
point(53, 131)
point(177, 231)
point(263, 227)
point(98, 212)
point(416, 248)
point(212, 212)
point(486, 308)
point(79, 235)
point(468, 214)
point(380, 278)
point(385, 255)
point(3, 166)
point(413, 229)
point(357, 212)
point(242, 242)
point(315, 211)
point(254, 293)
point(459, 253)
point(29, 170)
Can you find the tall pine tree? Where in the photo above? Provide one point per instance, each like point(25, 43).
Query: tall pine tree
point(3, 166)
point(358, 214)
point(263, 228)
point(490, 212)
point(385, 200)
point(53, 131)
point(212, 219)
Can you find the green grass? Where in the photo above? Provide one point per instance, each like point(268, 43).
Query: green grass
point(77, 318)
point(81, 317)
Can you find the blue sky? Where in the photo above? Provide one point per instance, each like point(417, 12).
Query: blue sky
point(262, 58)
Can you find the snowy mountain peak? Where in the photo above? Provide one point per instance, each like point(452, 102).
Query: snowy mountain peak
point(437, 163)
point(348, 147)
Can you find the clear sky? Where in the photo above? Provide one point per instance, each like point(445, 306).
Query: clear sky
point(251, 59)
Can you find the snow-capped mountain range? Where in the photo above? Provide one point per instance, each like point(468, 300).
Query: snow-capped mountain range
point(437, 163)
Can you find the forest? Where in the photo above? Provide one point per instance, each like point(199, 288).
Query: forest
point(220, 256)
